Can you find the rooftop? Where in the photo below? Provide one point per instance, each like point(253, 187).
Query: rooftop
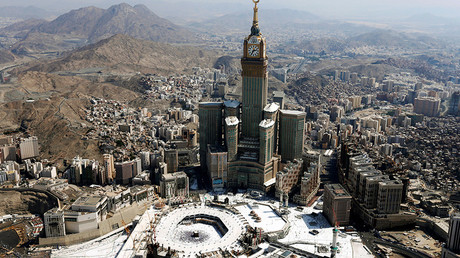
point(292, 112)
point(278, 94)
point(231, 120)
point(231, 103)
point(390, 182)
point(216, 149)
point(267, 123)
point(272, 107)
point(210, 104)
point(88, 200)
point(337, 190)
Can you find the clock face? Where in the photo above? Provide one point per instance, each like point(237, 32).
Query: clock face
point(253, 50)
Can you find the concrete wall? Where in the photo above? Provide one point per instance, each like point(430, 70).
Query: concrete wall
point(432, 226)
point(127, 215)
point(85, 222)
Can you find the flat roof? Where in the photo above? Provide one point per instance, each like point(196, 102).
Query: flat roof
point(216, 148)
point(279, 94)
point(337, 190)
point(89, 200)
point(232, 103)
point(211, 104)
point(292, 112)
point(391, 182)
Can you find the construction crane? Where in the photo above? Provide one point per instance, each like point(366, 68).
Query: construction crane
point(126, 227)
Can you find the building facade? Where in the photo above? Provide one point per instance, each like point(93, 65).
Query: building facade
point(29, 148)
point(452, 248)
point(291, 131)
point(251, 127)
point(337, 204)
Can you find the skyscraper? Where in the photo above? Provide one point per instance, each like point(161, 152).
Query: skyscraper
point(251, 128)
point(109, 168)
point(210, 127)
point(452, 248)
point(29, 148)
point(337, 204)
point(292, 127)
point(255, 79)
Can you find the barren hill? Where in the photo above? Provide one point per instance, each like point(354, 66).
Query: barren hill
point(91, 24)
point(124, 53)
point(57, 121)
point(269, 18)
point(391, 38)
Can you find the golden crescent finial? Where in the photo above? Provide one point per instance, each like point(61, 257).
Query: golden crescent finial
point(256, 1)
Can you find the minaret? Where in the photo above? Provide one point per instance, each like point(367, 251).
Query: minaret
point(255, 79)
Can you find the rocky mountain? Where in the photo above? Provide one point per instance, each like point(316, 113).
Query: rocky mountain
point(21, 12)
point(268, 18)
point(91, 24)
point(126, 54)
point(96, 24)
point(6, 56)
point(375, 38)
point(390, 38)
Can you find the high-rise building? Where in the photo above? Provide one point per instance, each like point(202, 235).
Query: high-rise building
point(9, 153)
point(309, 183)
point(232, 108)
point(174, 185)
point(172, 159)
point(217, 166)
point(210, 127)
point(76, 170)
point(389, 196)
point(427, 106)
point(354, 78)
point(255, 79)
point(454, 104)
point(231, 137)
point(452, 247)
point(251, 134)
point(124, 172)
point(271, 112)
point(388, 85)
point(109, 168)
point(288, 178)
point(291, 131)
point(337, 204)
point(29, 148)
point(266, 140)
point(278, 97)
point(145, 160)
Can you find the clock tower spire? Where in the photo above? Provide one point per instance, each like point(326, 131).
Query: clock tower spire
point(255, 79)
point(255, 24)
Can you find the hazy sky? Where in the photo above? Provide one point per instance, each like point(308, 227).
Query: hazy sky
point(329, 8)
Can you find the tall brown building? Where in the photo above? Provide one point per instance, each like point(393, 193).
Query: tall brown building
point(256, 164)
point(337, 204)
point(255, 79)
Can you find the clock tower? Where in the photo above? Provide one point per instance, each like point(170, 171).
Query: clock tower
point(255, 79)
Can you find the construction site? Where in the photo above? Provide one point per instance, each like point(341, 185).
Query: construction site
point(238, 226)
point(18, 231)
